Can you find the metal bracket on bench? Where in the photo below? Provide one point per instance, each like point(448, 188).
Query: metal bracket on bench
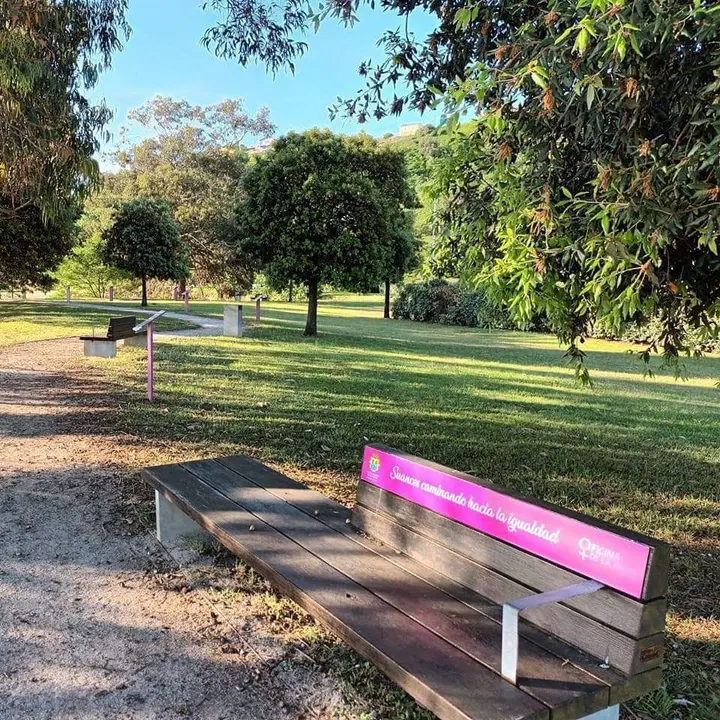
point(511, 615)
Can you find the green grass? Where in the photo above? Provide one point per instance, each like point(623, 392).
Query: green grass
point(644, 454)
point(22, 322)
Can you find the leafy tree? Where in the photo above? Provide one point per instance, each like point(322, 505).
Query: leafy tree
point(50, 54)
point(84, 268)
point(31, 244)
point(145, 240)
point(313, 213)
point(195, 160)
point(588, 184)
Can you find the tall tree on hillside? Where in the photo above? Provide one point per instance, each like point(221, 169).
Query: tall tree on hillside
point(588, 184)
point(50, 54)
point(195, 160)
point(313, 214)
point(145, 240)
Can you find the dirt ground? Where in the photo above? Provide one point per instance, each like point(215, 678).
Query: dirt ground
point(95, 619)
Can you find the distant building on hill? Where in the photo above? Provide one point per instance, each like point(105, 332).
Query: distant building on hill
point(410, 129)
point(262, 146)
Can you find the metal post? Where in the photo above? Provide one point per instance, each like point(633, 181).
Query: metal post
point(186, 295)
point(151, 370)
point(111, 293)
point(511, 616)
point(67, 293)
point(257, 310)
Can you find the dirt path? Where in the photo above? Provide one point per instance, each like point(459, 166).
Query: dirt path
point(94, 621)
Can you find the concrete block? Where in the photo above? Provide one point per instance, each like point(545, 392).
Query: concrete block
point(100, 348)
point(137, 341)
point(233, 321)
point(173, 525)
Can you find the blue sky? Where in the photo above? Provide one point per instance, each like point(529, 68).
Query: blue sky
point(164, 57)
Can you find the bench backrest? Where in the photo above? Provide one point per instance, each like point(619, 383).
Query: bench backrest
point(504, 546)
point(121, 327)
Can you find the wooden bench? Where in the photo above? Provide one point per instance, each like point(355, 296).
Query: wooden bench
point(119, 328)
point(480, 603)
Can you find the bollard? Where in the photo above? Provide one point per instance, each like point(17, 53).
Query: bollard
point(186, 297)
point(257, 310)
point(233, 321)
point(150, 368)
point(111, 293)
point(67, 293)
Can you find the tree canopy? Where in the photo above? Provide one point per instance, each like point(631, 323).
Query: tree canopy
point(195, 161)
point(587, 183)
point(50, 54)
point(145, 240)
point(315, 212)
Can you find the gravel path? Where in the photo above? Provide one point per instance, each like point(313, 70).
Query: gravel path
point(95, 621)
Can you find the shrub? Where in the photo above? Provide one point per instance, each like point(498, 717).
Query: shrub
point(440, 302)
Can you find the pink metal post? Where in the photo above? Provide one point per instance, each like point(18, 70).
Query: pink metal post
point(151, 372)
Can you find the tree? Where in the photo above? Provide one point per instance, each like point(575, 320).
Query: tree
point(588, 184)
point(50, 54)
point(195, 161)
point(31, 244)
point(313, 214)
point(84, 268)
point(400, 256)
point(145, 240)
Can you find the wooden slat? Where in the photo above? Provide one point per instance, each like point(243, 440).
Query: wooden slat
point(338, 516)
point(434, 672)
point(568, 691)
point(632, 617)
point(622, 652)
point(121, 327)
point(655, 581)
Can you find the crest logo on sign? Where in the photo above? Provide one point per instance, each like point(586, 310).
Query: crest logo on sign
point(374, 462)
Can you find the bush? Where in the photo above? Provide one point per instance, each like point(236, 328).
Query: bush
point(438, 301)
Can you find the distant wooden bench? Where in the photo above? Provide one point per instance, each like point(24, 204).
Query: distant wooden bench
point(428, 575)
point(119, 328)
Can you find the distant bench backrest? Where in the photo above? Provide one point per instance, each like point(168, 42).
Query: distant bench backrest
point(120, 328)
point(505, 546)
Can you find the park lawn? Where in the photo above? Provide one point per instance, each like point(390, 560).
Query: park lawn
point(644, 454)
point(22, 322)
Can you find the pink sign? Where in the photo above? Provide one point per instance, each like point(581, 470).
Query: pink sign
point(611, 559)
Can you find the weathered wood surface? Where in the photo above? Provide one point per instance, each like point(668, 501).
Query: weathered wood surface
point(437, 674)
point(601, 641)
point(388, 605)
point(567, 690)
point(632, 617)
point(338, 516)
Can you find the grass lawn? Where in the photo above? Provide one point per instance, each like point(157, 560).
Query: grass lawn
point(27, 321)
point(644, 454)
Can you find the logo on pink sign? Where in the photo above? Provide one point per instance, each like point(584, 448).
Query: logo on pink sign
point(614, 560)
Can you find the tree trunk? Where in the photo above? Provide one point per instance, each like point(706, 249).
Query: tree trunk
point(143, 302)
point(291, 289)
point(311, 324)
point(386, 310)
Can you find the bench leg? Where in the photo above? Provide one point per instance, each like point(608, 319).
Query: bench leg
point(172, 524)
point(611, 713)
point(100, 348)
point(140, 341)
